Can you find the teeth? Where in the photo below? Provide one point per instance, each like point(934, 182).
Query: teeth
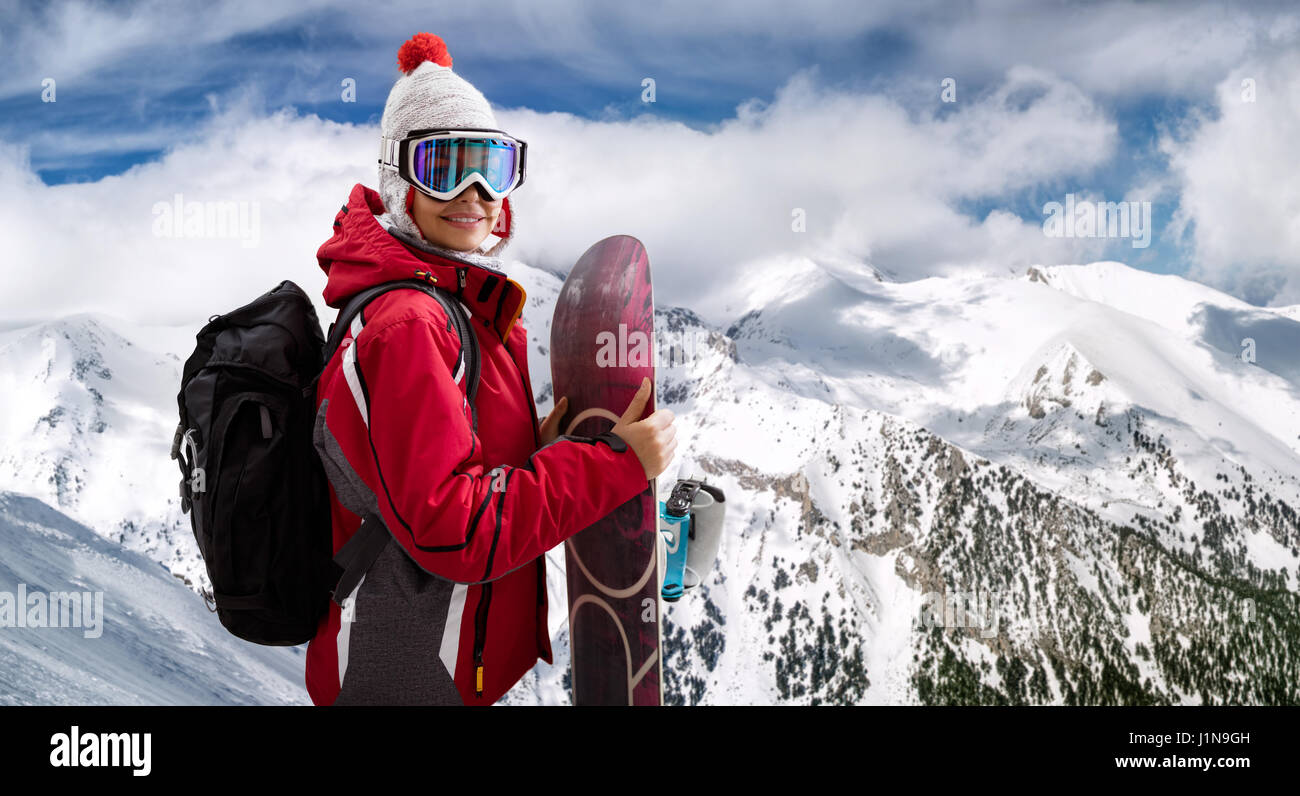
point(461, 218)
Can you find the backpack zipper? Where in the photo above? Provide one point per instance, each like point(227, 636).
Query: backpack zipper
point(480, 637)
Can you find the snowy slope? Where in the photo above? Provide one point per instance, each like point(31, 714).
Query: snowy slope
point(1191, 310)
point(159, 645)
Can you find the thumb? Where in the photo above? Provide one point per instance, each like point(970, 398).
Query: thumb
point(637, 405)
point(557, 411)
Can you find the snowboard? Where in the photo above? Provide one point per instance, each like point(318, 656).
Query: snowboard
point(602, 347)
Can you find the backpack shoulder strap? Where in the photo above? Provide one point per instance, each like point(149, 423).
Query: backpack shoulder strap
point(468, 356)
point(355, 558)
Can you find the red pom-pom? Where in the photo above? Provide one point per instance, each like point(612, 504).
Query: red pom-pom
point(420, 48)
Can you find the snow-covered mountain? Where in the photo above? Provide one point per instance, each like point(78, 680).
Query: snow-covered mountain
point(1106, 462)
point(1084, 446)
point(89, 409)
point(152, 640)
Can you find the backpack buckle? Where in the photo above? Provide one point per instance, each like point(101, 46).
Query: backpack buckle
point(176, 441)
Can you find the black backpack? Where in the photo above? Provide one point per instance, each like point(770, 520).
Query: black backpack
point(252, 481)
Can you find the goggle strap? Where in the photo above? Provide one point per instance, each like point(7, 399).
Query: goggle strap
point(389, 149)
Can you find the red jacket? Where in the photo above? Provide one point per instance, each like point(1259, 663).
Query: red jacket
point(459, 593)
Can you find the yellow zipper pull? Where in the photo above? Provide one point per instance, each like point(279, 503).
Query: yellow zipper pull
point(478, 680)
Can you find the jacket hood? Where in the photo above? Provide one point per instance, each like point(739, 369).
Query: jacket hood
point(362, 253)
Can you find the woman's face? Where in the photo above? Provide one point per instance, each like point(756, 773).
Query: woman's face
point(441, 225)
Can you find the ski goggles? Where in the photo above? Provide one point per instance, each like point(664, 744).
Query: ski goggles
point(442, 163)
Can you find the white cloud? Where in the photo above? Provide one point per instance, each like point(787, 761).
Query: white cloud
point(91, 246)
point(1107, 48)
point(72, 41)
point(876, 185)
point(879, 187)
point(1239, 206)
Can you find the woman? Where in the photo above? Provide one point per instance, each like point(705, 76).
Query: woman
point(453, 610)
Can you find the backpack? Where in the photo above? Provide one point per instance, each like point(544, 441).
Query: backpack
point(252, 481)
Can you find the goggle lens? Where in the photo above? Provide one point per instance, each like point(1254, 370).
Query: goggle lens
point(442, 164)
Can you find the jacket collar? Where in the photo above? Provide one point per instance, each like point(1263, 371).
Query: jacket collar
point(362, 253)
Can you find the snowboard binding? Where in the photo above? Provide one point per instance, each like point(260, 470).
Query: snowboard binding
point(690, 529)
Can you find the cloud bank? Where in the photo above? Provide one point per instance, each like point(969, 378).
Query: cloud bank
point(1238, 175)
point(878, 190)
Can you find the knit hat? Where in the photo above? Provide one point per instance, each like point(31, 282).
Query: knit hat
point(429, 95)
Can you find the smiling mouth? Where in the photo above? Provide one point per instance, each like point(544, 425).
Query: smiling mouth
point(463, 219)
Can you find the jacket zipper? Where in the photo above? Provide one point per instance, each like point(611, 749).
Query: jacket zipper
point(481, 615)
point(480, 637)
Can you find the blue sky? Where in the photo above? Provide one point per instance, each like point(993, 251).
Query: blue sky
point(1107, 100)
point(300, 59)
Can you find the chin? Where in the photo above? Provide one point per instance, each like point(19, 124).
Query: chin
point(456, 243)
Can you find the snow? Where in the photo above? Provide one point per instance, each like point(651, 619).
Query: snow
point(889, 653)
point(957, 356)
point(159, 644)
point(87, 414)
point(1266, 552)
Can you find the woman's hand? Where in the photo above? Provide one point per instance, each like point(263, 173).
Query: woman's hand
point(654, 439)
point(551, 425)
